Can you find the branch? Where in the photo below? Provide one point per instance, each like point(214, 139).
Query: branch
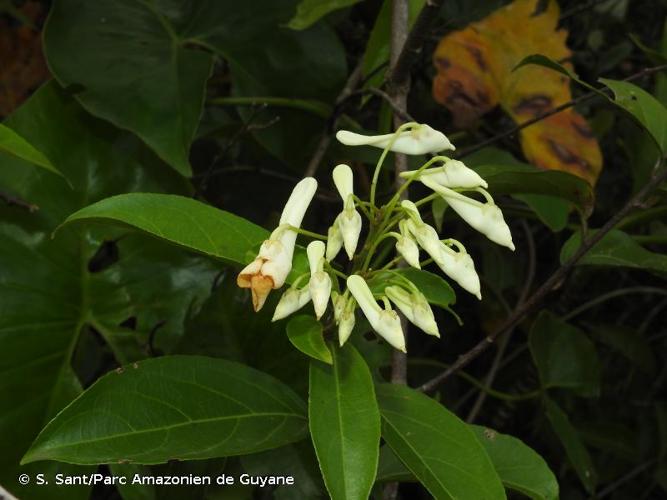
point(14, 201)
point(400, 69)
point(557, 109)
point(554, 280)
point(495, 365)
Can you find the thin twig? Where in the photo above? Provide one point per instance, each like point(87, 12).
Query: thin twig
point(556, 110)
point(15, 201)
point(399, 74)
point(659, 176)
point(322, 146)
point(624, 479)
point(495, 365)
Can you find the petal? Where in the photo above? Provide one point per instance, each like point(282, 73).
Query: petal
point(320, 291)
point(344, 181)
point(364, 297)
point(349, 222)
point(298, 202)
point(315, 251)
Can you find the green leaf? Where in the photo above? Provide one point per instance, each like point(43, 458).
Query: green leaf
point(569, 437)
point(616, 249)
point(520, 468)
point(344, 423)
point(552, 211)
point(390, 468)
point(526, 179)
point(308, 12)
point(15, 145)
point(629, 342)
point(173, 407)
point(440, 450)
point(564, 355)
point(49, 295)
point(144, 65)
point(297, 460)
point(180, 220)
point(306, 334)
point(646, 109)
point(436, 290)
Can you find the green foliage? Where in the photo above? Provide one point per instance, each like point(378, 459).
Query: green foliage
point(564, 355)
point(13, 144)
point(344, 423)
point(201, 407)
point(137, 183)
point(520, 468)
point(180, 220)
point(306, 334)
point(309, 12)
point(439, 449)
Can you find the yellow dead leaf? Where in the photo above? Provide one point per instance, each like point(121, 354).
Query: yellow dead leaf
point(474, 75)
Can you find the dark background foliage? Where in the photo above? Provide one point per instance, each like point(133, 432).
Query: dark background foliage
point(605, 369)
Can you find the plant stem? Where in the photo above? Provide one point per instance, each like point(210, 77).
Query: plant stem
point(615, 293)
point(659, 176)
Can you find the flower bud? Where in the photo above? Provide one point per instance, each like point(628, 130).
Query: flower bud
point(452, 174)
point(320, 281)
point(460, 267)
point(291, 301)
point(419, 140)
point(384, 321)
point(486, 218)
point(406, 246)
point(349, 220)
point(414, 307)
point(346, 320)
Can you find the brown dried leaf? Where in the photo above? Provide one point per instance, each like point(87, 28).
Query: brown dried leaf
point(22, 64)
point(474, 75)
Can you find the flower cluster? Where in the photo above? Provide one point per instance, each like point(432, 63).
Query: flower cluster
point(397, 219)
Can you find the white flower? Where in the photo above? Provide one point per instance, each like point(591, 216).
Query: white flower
point(415, 307)
point(451, 174)
point(420, 139)
point(320, 281)
point(270, 268)
point(348, 221)
point(384, 321)
point(459, 266)
point(406, 245)
point(344, 307)
point(291, 301)
point(486, 218)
